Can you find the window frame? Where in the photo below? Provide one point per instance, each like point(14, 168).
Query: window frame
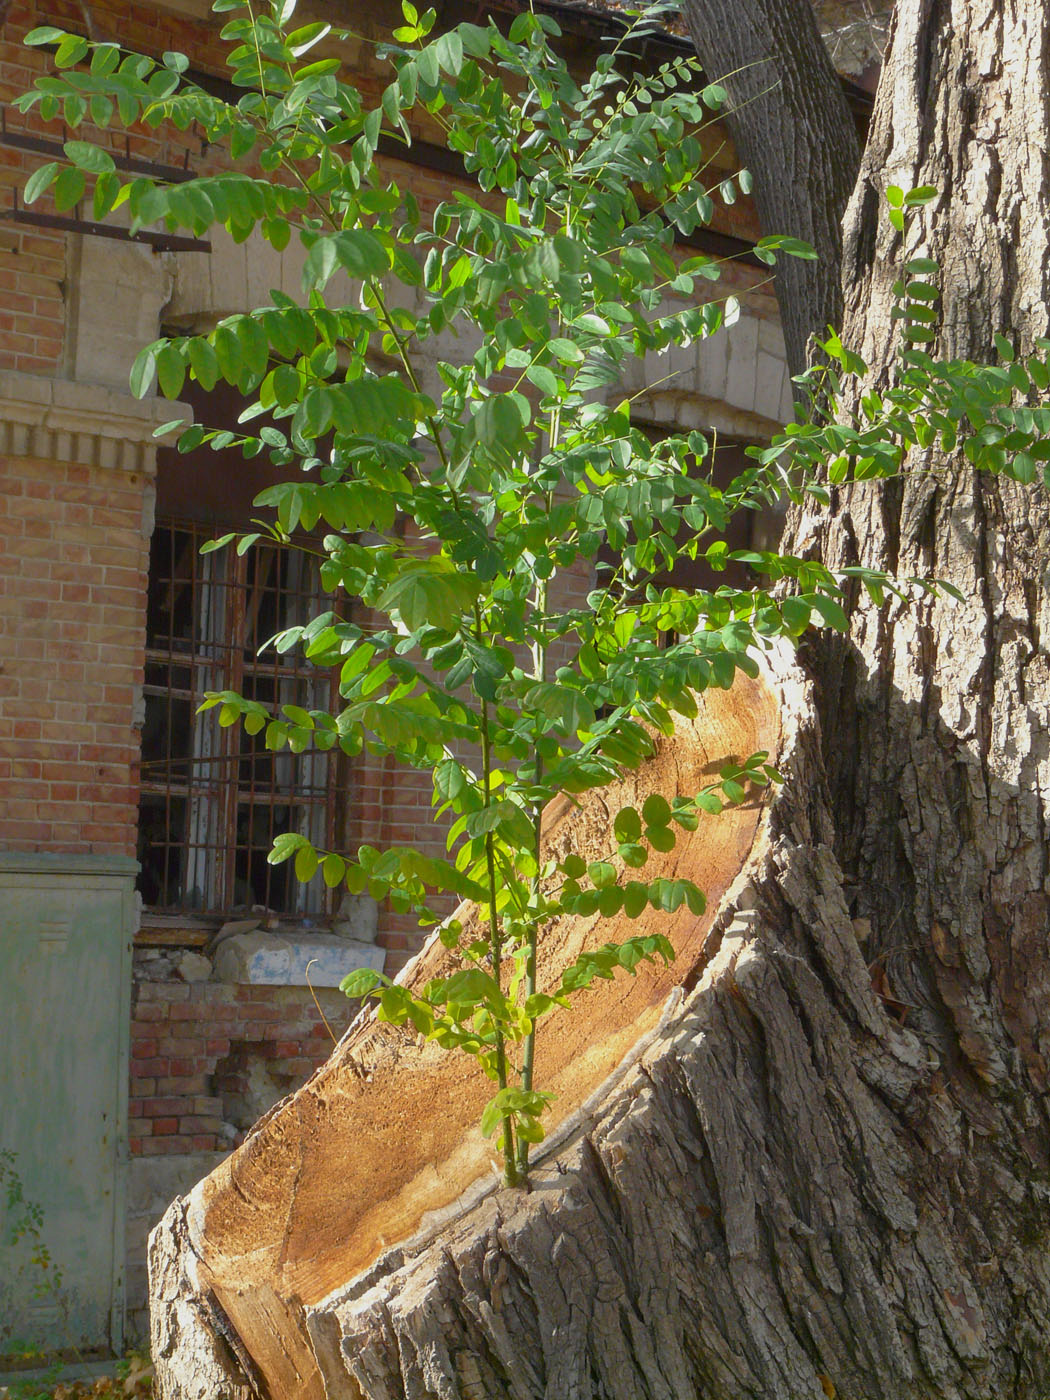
point(208, 852)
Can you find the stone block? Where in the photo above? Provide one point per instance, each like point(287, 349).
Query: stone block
point(194, 967)
point(769, 385)
point(271, 959)
point(743, 355)
point(711, 378)
point(358, 918)
point(152, 1186)
point(771, 339)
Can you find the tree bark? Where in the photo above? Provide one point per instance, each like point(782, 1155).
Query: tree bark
point(934, 716)
point(828, 1171)
point(793, 130)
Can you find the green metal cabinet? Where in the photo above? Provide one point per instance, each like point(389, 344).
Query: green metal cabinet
point(66, 924)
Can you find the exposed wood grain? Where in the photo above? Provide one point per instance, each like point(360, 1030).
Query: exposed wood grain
point(383, 1140)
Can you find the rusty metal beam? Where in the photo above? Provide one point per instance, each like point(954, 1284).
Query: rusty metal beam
point(162, 242)
point(40, 145)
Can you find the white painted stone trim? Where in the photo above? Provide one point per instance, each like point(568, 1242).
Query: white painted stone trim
point(62, 421)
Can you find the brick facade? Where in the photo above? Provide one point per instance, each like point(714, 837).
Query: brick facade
point(193, 1045)
point(73, 572)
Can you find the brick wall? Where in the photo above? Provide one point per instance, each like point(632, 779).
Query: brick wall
point(199, 1051)
point(72, 577)
point(32, 260)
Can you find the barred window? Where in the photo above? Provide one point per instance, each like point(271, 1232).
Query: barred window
point(214, 798)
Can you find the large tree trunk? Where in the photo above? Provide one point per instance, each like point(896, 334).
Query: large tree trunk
point(828, 1171)
point(793, 130)
point(934, 717)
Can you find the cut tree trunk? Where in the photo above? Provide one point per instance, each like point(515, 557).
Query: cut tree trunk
point(352, 1180)
point(793, 130)
point(824, 1168)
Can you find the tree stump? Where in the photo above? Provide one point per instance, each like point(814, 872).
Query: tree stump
point(371, 1190)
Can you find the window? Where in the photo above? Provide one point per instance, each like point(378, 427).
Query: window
point(213, 798)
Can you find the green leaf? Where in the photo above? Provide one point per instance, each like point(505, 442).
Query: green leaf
point(661, 838)
point(88, 157)
point(656, 811)
point(498, 425)
point(41, 179)
point(227, 348)
point(544, 379)
point(694, 898)
point(144, 368)
point(285, 846)
point(830, 610)
point(333, 870)
point(209, 546)
point(636, 899)
point(171, 371)
point(71, 49)
point(44, 34)
point(358, 252)
point(627, 825)
point(306, 863)
point(449, 52)
point(107, 188)
point(426, 592)
point(203, 361)
point(491, 1117)
point(427, 66)
point(796, 247)
point(602, 874)
point(362, 982)
point(633, 854)
point(69, 188)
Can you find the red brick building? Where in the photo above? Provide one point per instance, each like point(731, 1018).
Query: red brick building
point(112, 794)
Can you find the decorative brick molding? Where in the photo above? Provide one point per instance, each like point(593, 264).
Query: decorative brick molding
point(58, 420)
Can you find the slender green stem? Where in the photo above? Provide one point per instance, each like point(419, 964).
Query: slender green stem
point(510, 1170)
point(539, 670)
point(529, 1049)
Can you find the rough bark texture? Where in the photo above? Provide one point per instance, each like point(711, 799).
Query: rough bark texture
point(793, 130)
point(829, 1172)
point(935, 717)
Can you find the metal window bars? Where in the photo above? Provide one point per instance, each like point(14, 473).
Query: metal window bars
point(213, 798)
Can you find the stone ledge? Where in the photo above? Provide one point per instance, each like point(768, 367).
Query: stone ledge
point(56, 865)
point(60, 420)
point(299, 960)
